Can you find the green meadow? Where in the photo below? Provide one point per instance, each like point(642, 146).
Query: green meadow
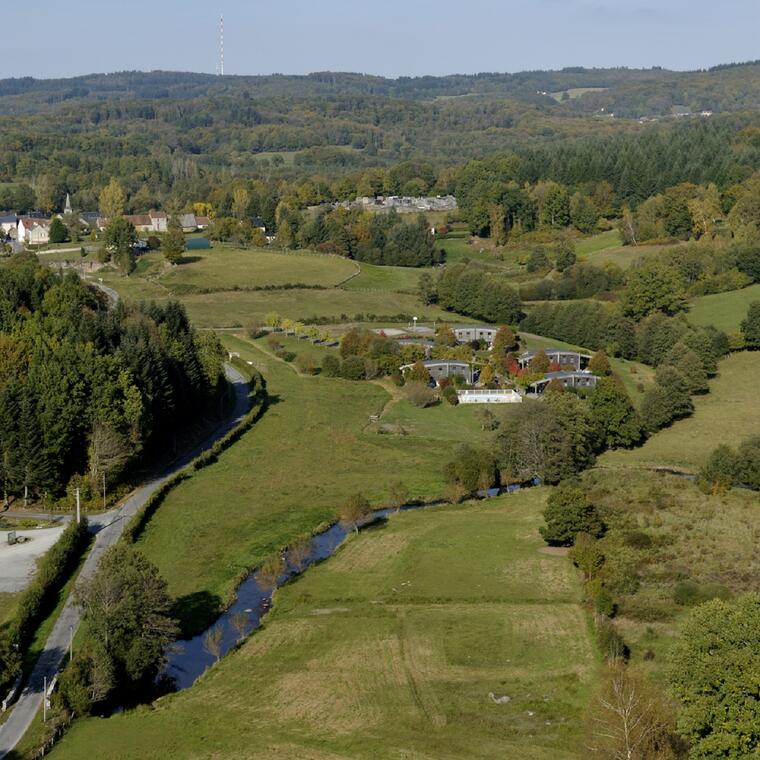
point(728, 414)
point(724, 310)
point(391, 649)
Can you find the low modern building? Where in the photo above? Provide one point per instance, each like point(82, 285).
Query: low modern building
point(581, 379)
point(438, 370)
point(486, 396)
point(560, 356)
point(470, 333)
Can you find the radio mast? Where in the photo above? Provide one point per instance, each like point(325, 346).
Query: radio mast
point(220, 64)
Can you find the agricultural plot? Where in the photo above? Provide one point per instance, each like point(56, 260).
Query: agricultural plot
point(624, 256)
point(728, 414)
point(374, 277)
point(290, 474)
point(724, 310)
point(224, 268)
point(391, 649)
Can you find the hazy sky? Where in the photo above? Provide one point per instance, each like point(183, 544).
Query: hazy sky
point(52, 38)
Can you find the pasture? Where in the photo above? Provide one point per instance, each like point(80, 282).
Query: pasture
point(224, 268)
point(728, 414)
point(390, 649)
point(724, 310)
point(287, 476)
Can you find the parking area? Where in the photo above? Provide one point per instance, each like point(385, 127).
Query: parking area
point(18, 562)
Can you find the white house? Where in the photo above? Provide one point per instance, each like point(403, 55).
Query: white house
point(33, 231)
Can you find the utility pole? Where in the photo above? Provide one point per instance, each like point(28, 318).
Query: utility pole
point(44, 700)
point(79, 513)
point(71, 643)
point(104, 492)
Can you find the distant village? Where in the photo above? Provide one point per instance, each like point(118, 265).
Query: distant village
point(384, 204)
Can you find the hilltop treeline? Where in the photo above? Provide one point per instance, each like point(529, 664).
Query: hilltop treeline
point(87, 392)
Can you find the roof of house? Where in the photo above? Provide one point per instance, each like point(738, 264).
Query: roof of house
point(8, 218)
point(139, 220)
point(450, 362)
point(531, 354)
point(188, 220)
point(258, 222)
point(202, 221)
point(474, 327)
point(153, 214)
point(31, 221)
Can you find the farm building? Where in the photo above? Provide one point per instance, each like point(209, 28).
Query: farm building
point(579, 379)
point(470, 333)
point(560, 356)
point(487, 396)
point(438, 370)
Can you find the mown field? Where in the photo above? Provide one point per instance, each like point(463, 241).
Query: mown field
point(217, 287)
point(724, 310)
point(390, 649)
point(312, 449)
point(729, 413)
point(223, 268)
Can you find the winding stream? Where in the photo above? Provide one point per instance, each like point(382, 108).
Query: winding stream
point(188, 659)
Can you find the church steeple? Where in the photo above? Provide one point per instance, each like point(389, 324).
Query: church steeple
point(67, 208)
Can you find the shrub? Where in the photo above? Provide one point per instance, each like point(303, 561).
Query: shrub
point(419, 394)
point(307, 364)
point(610, 642)
point(471, 468)
point(568, 512)
point(331, 366)
point(690, 593)
point(352, 368)
point(450, 395)
point(637, 539)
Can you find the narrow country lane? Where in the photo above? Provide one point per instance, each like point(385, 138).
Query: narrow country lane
point(107, 527)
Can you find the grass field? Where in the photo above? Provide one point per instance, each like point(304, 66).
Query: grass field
point(724, 310)
point(390, 650)
point(385, 278)
point(728, 414)
point(623, 256)
point(694, 537)
point(287, 476)
point(636, 377)
point(596, 243)
point(225, 268)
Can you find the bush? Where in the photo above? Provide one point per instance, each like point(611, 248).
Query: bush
point(568, 512)
point(352, 368)
point(637, 539)
point(331, 366)
point(471, 469)
point(420, 395)
point(690, 593)
point(307, 364)
point(610, 642)
point(450, 395)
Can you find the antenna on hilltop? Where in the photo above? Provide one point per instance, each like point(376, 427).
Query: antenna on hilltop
point(220, 64)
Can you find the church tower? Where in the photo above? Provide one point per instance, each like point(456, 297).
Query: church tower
point(67, 208)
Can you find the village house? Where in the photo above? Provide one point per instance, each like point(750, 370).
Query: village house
point(8, 223)
point(438, 370)
point(33, 231)
point(582, 379)
point(559, 356)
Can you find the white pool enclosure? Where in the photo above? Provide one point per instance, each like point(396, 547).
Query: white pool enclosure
point(486, 396)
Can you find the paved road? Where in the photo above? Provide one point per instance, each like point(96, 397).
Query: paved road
point(108, 527)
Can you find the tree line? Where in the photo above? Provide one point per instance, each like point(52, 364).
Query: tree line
point(88, 393)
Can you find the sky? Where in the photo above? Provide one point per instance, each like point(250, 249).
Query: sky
point(64, 38)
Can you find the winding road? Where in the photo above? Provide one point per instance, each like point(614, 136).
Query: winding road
point(107, 528)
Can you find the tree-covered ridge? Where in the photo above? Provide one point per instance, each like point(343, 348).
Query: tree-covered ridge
point(91, 391)
point(626, 92)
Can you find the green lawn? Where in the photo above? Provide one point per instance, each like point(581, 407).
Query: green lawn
point(224, 268)
point(596, 243)
point(724, 310)
point(288, 475)
point(623, 256)
point(636, 377)
point(374, 277)
point(728, 414)
point(390, 650)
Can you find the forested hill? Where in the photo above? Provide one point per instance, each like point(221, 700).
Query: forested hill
point(629, 93)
